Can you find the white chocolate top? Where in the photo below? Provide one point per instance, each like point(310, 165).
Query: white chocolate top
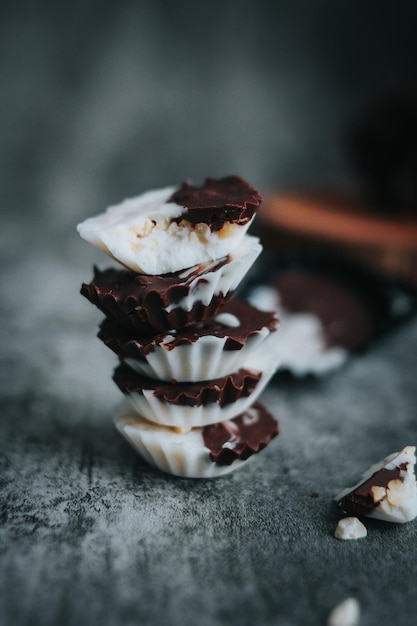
point(140, 234)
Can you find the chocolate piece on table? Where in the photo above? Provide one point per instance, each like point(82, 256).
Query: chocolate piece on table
point(149, 303)
point(387, 491)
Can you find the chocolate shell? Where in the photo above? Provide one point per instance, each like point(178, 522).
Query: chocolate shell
point(360, 501)
point(150, 304)
point(143, 303)
point(249, 321)
point(218, 201)
point(241, 437)
point(222, 391)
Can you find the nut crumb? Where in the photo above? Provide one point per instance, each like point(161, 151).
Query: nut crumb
point(347, 613)
point(350, 528)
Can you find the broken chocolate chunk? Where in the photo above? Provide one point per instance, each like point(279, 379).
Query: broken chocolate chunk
point(362, 500)
point(387, 491)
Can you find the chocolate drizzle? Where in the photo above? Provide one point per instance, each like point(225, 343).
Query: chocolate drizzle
point(221, 390)
point(360, 500)
point(230, 199)
point(130, 345)
point(241, 437)
point(140, 301)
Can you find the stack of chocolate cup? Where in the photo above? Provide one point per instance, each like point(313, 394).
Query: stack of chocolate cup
point(193, 359)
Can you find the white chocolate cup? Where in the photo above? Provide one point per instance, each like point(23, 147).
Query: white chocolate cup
point(179, 453)
point(204, 359)
point(141, 233)
point(164, 413)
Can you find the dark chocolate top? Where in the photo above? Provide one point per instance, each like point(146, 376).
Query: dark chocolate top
point(244, 435)
point(130, 345)
point(347, 319)
point(360, 501)
point(140, 300)
point(221, 390)
point(219, 200)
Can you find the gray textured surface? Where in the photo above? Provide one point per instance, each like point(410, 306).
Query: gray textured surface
point(93, 536)
point(101, 104)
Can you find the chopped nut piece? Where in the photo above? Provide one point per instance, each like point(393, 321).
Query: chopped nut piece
point(347, 613)
point(378, 494)
point(350, 528)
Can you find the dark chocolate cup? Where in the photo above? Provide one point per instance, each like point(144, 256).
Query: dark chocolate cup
point(149, 304)
point(207, 350)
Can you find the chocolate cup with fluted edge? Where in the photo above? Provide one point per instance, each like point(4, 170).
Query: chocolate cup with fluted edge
point(205, 452)
point(210, 349)
point(149, 304)
point(190, 405)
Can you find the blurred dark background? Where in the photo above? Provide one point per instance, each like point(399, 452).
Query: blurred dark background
point(104, 99)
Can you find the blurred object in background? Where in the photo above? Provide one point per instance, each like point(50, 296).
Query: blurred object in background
point(383, 151)
point(339, 222)
point(372, 221)
point(347, 255)
point(329, 308)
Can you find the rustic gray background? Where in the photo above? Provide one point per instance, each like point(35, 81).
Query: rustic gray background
point(102, 100)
